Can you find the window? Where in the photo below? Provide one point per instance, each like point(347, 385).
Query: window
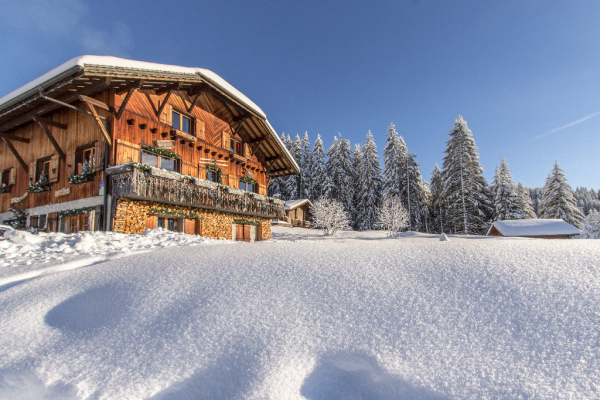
point(249, 187)
point(5, 178)
point(43, 165)
point(159, 161)
point(211, 176)
point(236, 147)
point(84, 155)
point(181, 122)
point(171, 224)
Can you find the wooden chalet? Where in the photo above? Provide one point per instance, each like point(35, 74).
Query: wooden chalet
point(103, 143)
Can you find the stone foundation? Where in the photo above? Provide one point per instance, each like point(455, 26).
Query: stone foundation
point(130, 217)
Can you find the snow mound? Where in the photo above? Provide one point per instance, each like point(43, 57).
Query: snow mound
point(22, 238)
point(353, 318)
point(444, 238)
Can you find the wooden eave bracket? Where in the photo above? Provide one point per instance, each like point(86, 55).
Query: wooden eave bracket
point(15, 138)
point(168, 90)
point(97, 103)
point(100, 123)
point(130, 89)
point(16, 154)
point(43, 123)
point(196, 92)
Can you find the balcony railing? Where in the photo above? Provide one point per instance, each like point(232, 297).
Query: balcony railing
point(134, 183)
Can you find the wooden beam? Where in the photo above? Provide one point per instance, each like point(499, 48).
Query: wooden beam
point(169, 88)
point(241, 117)
point(124, 103)
point(272, 158)
point(95, 102)
point(259, 139)
point(49, 122)
point(44, 127)
point(197, 89)
point(13, 137)
point(191, 107)
point(132, 85)
point(164, 103)
point(279, 170)
point(100, 123)
point(17, 156)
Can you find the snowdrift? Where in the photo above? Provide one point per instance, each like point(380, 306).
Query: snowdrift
point(354, 319)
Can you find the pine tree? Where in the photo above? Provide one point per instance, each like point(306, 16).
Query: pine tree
point(525, 201)
point(290, 182)
point(558, 200)
point(357, 157)
point(306, 167)
point(591, 225)
point(394, 154)
point(321, 185)
point(438, 201)
point(412, 192)
point(341, 172)
point(507, 204)
point(370, 185)
point(465, 188)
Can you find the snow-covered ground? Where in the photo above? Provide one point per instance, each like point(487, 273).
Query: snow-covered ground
point(355, 317)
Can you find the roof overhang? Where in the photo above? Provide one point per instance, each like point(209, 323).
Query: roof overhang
point(91, 74)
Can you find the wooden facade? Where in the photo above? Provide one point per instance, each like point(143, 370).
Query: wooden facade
point(75, 127)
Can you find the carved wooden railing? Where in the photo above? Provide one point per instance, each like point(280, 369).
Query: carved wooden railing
point(136, 184)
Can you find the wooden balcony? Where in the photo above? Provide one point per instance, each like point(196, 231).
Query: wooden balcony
point(136, 184)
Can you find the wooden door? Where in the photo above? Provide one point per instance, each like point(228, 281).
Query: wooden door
point(150, 222)
point(239, 232)
point(73, 224)
point(190, 226)
point(246, 233)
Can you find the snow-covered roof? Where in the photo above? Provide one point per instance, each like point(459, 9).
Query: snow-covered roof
point(117, 62)
point(534, 227)
point(139, 68)
point(292, 204)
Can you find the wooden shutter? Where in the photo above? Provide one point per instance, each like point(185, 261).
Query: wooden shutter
point(226, 141)
point(246, 233)
point(32, 172)
point(200, 128)
point(54, 164)
point(71, 163)
point(98, 163)
point(239, 232)
point(166, 117)
point(12, 178)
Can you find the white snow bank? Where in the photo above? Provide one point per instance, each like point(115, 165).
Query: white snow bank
point(535, 227)
point(367, 317)
point(25, 252)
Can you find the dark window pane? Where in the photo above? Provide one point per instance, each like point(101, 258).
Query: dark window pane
point(250, 187)
point(242, 185)
point(210, 176)
point(238, 148)
point(42, 221)
point(172, 224)
point(47, 168)
point(149, 159)
point(185, 124)
point(167, 163)
point(160, 223)
point(176, 120)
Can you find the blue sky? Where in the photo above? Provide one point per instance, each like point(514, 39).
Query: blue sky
point(524, 74)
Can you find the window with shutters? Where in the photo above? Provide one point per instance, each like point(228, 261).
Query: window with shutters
point(91, 154)
point(5, 179)
point(181, 122)
point(159, 161)
point(42, 167)
point(236, 147)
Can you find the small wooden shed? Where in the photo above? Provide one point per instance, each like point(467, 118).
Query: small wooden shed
point(534, 228)
point(298, 212)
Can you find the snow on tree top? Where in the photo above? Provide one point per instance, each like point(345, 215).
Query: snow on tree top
point(535, 227)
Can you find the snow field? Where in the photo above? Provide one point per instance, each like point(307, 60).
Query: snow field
point(348, 318)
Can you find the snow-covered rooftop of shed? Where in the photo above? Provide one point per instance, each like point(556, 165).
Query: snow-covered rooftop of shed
point(291, 204)
point(535, 227)
point(117, 62)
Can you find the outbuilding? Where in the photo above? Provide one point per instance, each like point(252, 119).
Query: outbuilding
point(534, 228)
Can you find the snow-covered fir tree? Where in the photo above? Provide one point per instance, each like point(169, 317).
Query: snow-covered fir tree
point(306, 166)
point(426, 217)
point(507, 204)
point(525, 201)
point(558, 200)
point(591, 225)
point(536, 198)
point(438, 201)
point(587, 200)
point(412, 192)
point(370, 184)
point(357, 158)
point(290, 182)
point(321, 184)
point(341, 172)
point(465, 188)
point(394, 154)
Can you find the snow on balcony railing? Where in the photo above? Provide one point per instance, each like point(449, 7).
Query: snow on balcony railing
point(128, 181)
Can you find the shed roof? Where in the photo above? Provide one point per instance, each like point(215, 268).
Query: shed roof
point(534, 227)
point(293, 204)
point(84, 73)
